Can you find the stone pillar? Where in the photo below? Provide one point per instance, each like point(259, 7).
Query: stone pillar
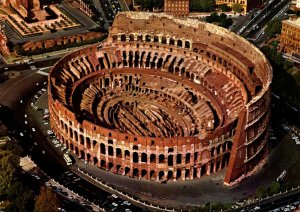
point(208, 169)
point(183, 174)
point(199, 171)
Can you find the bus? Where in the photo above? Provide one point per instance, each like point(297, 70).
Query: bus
point(68, 159)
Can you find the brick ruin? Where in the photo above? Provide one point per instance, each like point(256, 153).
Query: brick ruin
point(33, 45)
point(164, 99)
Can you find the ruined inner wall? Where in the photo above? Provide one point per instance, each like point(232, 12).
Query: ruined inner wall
point(164, 99)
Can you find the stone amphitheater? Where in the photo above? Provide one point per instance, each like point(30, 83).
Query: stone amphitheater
point(164, 99)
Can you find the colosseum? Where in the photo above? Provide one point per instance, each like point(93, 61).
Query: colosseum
point(164, 99)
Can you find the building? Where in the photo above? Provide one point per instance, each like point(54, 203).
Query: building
point(25, 8)
point(290, 36)
point(3, 44)
point(246, 4)
point(177, 8)
point(164, 99)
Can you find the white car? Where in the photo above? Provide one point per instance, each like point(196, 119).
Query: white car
point(114, 196)
point(21, 134)
point(33, 129)
point(26, 122)
point(25, 115)
point(114, 204)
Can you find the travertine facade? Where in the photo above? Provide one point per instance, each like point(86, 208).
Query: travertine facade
point(290, 36)
point(164, 98)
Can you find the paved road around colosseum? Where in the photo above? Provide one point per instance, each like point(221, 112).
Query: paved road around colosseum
point(206, 189)
point(172, 194)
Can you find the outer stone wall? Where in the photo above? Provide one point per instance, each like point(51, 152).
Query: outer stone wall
point(106, 102)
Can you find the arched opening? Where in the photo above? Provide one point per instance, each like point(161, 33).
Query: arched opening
point(71, 133)
point(196, 156)
point(161, 175)
point(217, 165)
point(144, 158)
point(140, 37)
point(118, 169)
point(163, 40)
point(102, 149)
point(155, 39)
point(170, 160)
point(187, 45)
point(148, 38)
point(135, 172)
point(203, 170)
point(195, 50)
point(178, 174)
point(258, 89)
point(82, 155)
point(103, 164)
point(172, 42)
point(127, 154)
point(81, 139)
point(94, 143)
point(179, 43)
point(110, 151)
point(127, 171)
point(118, 153)
point(76, 150)
point(229, 145)
point(225, 160)
point(152, 158)
point(88, 157)
point(110, 166)
point(170, 175)
point(71, 146)
point(115, 37)
point(188, 158)
point(131, 37)
point(187, 174)
point(212, 152)
point(195, 173)
point(88, 142)
point(76, 136)
point(135, 157)
point(123, 37)
point(144, 174)
point(179, 159)
point(152, 175)
point(95, 160)
point(161, 158)
point(218, 149)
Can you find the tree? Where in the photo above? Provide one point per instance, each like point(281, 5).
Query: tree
point(202, 5)
point(214, 17)
point(224, 8)
point(8, 168)
point(274, 188)
point(47, 201)
point(238, 8)
point(273, 28)
point(227, 22)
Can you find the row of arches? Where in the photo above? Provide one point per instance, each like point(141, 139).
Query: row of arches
point(169, 160)
point(181, 43)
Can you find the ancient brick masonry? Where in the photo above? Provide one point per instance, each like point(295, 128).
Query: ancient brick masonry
point(164, 99)
point(33, 45)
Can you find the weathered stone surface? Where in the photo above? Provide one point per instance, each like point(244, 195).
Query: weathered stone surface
point(164, 99)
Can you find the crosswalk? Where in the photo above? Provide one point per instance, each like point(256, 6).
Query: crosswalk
point(42, 73)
